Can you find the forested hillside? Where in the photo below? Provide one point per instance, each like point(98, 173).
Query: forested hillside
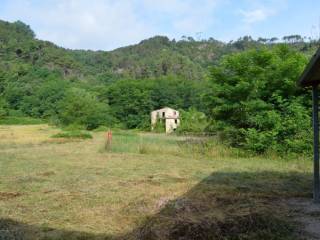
point(154, 57)
point(224, 87)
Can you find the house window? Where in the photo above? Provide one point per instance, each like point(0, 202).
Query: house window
point(174, 113)
point(163, 114)
point(176, 121)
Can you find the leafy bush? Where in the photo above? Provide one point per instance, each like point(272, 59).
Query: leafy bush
point(254, 101)
point(44, 101)
point(130, 101)
point(73, 134)
point(160, 126)
point(4, 107)
point(82, 108)
point(192, 121)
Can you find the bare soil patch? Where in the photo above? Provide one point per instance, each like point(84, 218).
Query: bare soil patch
point(9, 195)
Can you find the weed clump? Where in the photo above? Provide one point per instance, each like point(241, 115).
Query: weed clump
point(143, 149)
point(101, 129)
point(73, 135)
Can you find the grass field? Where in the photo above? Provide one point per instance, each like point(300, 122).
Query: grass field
point(149, 186)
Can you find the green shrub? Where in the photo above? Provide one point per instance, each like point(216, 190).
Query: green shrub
point(80, 107)
point(192, 121)
point(254, 102)
point(160, 126)
point(4, 107)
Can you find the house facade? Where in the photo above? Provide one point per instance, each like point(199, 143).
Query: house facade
point(170, 118)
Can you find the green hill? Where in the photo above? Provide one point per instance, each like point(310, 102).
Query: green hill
point(40, 79)
point(154, 57)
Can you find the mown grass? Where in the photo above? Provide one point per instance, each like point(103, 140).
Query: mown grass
point(148, 186)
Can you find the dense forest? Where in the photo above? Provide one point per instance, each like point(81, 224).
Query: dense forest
point(244, 91)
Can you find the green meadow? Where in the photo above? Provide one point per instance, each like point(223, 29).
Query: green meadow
point(147, 186)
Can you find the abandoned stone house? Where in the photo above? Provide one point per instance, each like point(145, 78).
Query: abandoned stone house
point(168, 116)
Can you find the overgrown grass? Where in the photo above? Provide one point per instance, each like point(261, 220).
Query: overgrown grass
point(101, 129)
point(73, 134)
point(149, 186)
point(176, 145)
point(20, 121)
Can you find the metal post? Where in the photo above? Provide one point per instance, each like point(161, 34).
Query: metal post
point(316, 181)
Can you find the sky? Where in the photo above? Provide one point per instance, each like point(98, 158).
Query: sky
point(109, 24)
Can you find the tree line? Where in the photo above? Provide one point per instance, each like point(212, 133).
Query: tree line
point(244, 92)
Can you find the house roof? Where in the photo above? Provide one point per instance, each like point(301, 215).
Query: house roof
point(311, 74)
point(164, 108)
point(175, 116)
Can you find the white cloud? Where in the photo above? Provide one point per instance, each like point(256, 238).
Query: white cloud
point(256, 15)
point(188, 16)
point(95, 24)
point(261, 10)
point(107, 24)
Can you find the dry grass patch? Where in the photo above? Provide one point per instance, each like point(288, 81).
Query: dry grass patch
point(25, 134)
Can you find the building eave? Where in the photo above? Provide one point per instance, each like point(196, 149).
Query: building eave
point(311, 74)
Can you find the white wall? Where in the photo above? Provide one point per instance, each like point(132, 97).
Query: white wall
point(169, 114)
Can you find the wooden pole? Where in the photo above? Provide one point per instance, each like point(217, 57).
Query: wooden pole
point(315, 117)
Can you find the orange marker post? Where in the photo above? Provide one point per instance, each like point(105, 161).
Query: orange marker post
point(108, 143)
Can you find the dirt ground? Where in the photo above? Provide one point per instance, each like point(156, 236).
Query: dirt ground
point(306, 213)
